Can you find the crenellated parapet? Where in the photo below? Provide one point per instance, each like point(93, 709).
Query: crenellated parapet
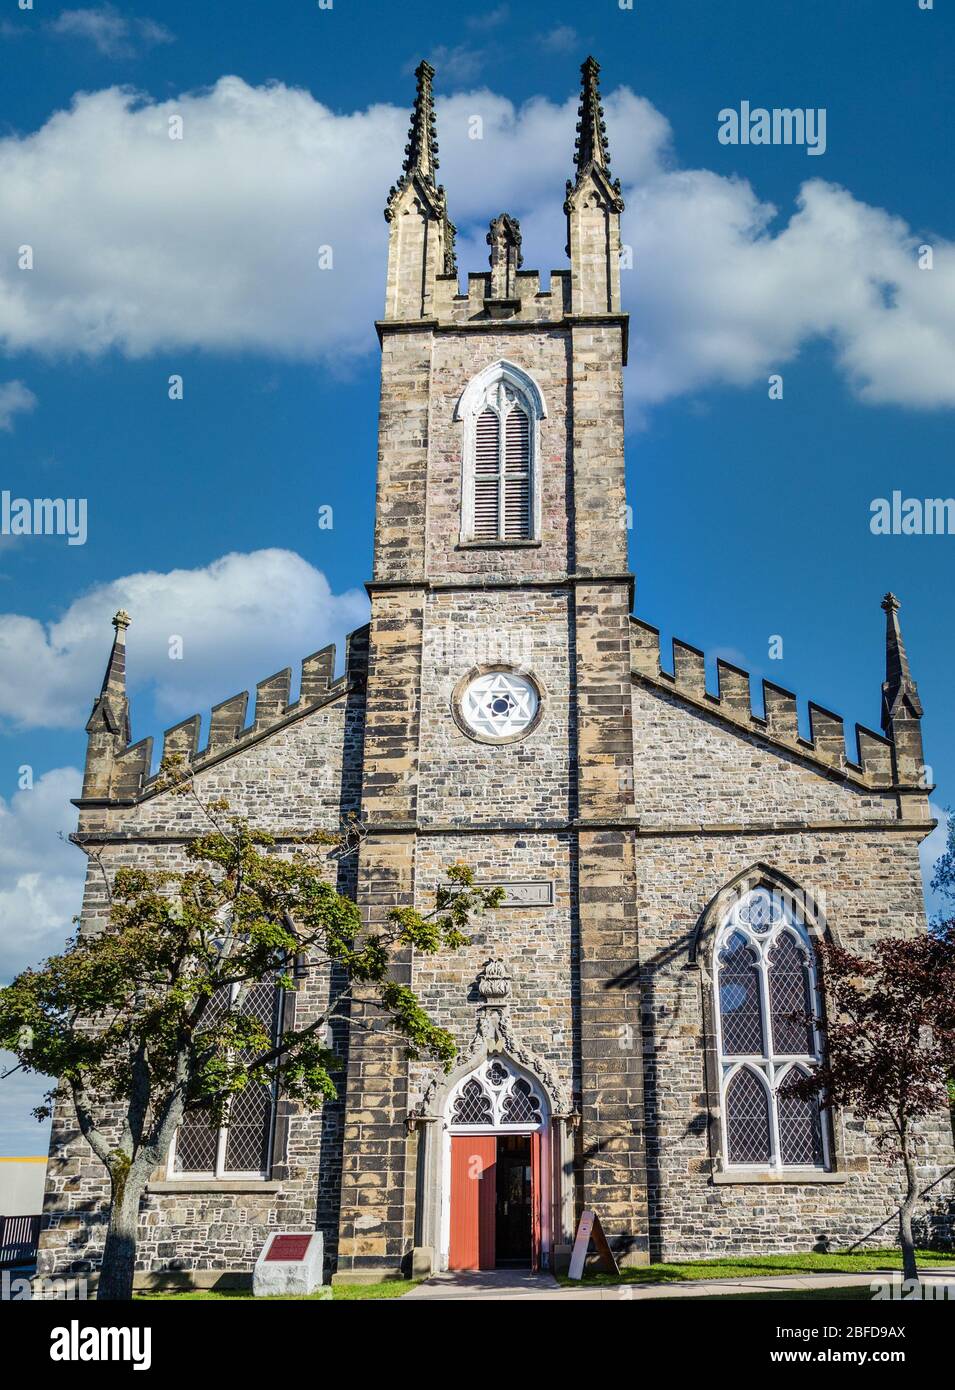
point(777, 721)
point(120, 773)
point(524, 302)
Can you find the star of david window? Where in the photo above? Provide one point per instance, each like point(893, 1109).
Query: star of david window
point(767, 1008)
point(499, 706)
point(496, 1096)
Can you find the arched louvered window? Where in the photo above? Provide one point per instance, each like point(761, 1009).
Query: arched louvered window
point(767, 1008)
point(501, 410)
point(516, 518)
point(241, 1148)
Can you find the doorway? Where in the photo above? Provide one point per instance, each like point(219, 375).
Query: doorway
point(513, 1202)
point(496, 1201)
point(494, 1182)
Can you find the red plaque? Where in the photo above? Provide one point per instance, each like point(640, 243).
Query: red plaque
point(288, 1248)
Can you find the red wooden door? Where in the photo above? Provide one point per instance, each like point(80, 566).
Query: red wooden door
point(536, 1200)
point(473, 1201)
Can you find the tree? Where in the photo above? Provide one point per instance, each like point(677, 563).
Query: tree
point(146, 1021)
point(890, 1045)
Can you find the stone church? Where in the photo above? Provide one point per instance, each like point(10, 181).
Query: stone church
point(671, 860)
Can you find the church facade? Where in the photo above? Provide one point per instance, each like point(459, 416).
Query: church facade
point(627, 1018)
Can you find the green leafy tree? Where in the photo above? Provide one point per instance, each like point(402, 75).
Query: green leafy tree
point(145, 1021)
point(890, 1046)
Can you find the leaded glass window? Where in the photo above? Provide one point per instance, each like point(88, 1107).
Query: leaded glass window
point(473, 1106)
point(747, 1118)
point(496, 1095)
point(241, 1147)
point(767, 1007)
point(740, 1005)
point(521, 1106)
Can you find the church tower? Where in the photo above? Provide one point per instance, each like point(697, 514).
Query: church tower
point(673, 856)
point(498, 721)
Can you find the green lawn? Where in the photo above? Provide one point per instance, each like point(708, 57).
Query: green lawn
point(752, 1266)
point(390, 1288)
point(858, 1293)
point(863, 1263)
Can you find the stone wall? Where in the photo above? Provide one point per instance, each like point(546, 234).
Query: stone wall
point(469, 783)
point(537, 944)
point(867, 882)
point(299, 777)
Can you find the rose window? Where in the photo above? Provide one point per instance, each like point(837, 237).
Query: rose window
point(500, 704)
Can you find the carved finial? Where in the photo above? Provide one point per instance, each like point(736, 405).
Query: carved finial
point(108, 724)
point(506, 257)
point(494, 983)
point(591, 150)
point(900, 696)
point(421, 163)
point(421, 151)
point(591, 146)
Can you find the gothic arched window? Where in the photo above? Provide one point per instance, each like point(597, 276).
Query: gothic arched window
point(242, 1146)
point(501, 409)
point(767, 1004)
point(496, 1095)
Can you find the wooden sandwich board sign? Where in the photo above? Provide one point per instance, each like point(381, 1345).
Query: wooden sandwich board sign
point(589, 1230)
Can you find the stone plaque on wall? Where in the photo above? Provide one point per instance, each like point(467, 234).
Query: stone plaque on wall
point(534, 894)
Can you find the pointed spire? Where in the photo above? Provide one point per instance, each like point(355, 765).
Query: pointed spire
point(112, 707)
point(900, 696)
point(591, 146)
point(591, 150)
point(421, 151)
point(421, 163)
point(108, 725)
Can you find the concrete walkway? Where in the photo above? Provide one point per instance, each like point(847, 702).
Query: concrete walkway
point(498, 1284)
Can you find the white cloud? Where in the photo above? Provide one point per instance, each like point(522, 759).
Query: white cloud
point(113, 34)
point(129, 229)
point(458, 64)
point(41, 874)
point(41, 891)
point(240, 619)
point(20, 1093)
point(561, 39)
point(15, 399)
point(490, 19)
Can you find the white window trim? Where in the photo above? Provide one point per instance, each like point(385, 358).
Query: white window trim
point(475, 396)
point(769, 1067)
point(221, 1173)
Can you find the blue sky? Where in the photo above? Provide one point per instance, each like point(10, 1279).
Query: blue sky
point(198, 258)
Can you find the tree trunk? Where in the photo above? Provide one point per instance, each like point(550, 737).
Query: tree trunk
point(906, 1238)
point(119, 1252)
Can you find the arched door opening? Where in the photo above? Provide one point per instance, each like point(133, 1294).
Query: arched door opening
point(496, 1212)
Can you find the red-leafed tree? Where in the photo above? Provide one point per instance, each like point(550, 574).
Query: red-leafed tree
point(890, 1045)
